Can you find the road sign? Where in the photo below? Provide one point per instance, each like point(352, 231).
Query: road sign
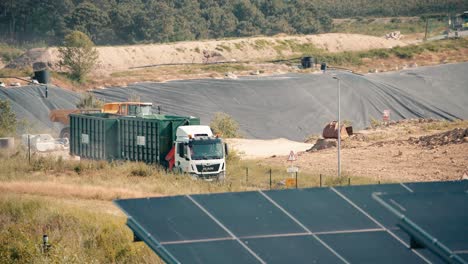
point(292, 169)
point(292, 156)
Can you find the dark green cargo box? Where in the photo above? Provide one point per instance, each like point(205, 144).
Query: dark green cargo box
point(94, 136)
point(150, 138)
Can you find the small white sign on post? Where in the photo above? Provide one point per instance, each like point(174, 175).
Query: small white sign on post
point(386, 115)
point(292, 169)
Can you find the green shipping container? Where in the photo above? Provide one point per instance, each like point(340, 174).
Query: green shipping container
point(94, 136)
point(150, 138)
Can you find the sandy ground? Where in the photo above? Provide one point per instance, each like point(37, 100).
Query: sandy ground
point(256, 148)
point(118, 58)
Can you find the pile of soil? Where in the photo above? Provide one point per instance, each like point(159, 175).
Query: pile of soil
point(455, 136)
point(390, 123)
point(323, 143)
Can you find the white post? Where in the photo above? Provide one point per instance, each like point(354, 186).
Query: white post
point(339, 128)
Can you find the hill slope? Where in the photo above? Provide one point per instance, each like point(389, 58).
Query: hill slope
point(118, 58)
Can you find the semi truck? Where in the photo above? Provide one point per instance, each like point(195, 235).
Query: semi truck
point(178, 143)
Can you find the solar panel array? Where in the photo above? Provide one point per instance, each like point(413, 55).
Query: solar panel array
point(314, 225)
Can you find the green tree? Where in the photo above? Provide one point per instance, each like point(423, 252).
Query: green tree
point(89, 101)
point(89, 19)
point(225, 125)
point(78, 54)
point(7, 119)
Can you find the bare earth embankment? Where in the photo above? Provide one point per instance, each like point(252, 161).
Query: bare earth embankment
point(405, 152)
point(119, 58)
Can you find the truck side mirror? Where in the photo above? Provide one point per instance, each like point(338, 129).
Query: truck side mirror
point(226, 149)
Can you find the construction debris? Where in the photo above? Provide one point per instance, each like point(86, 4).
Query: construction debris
point(331, 130)
point(455, 136)
point(393, 35)
point(44, 142)
point(323, 143)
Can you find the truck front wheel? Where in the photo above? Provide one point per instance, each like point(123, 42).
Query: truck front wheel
point(221, 177)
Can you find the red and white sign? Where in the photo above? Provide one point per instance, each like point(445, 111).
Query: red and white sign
point(386, 115)
point(292, 156)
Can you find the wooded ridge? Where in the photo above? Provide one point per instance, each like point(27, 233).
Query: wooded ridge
point(138, 21)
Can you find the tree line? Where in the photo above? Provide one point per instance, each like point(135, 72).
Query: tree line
point(139, 21)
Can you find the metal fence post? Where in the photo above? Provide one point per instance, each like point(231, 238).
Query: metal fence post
point(296, 179)
point(349, 181)
point(246, 175)
point(29, 148)
point(270, 178)
point(320, 180)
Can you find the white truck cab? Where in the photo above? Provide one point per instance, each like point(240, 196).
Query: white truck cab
point(199, 153)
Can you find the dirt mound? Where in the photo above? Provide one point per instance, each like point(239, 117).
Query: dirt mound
point(243, 49)
point(409, 121)
point(323, 143)
point(455, 136)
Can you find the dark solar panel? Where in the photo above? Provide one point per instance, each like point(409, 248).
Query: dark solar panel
point(438, 213)
point(464, 256)
point(292, 249)
point(317, 225)
point(362, 197)
point(248, 214)
point(449, 186)
point(321, 210)
point(370, 247)
point(172, 218)
point(213, 252)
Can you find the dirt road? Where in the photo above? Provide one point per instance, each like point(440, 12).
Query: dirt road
point(256, 148)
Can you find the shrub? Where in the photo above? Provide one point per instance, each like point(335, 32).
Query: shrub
point(7, 119)
point(8, 53)
point(141, 169)
point(225, 125)
point(375, 122)
point(78, 55)
point(88, 100)
point(407, 52)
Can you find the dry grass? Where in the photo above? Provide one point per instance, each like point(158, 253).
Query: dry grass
point(62, 190)
point(76, 235)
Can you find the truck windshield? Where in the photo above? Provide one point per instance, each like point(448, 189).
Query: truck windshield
point(206, 149)
point(139, 110)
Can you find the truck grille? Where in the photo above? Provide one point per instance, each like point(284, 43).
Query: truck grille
point(208, 168)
